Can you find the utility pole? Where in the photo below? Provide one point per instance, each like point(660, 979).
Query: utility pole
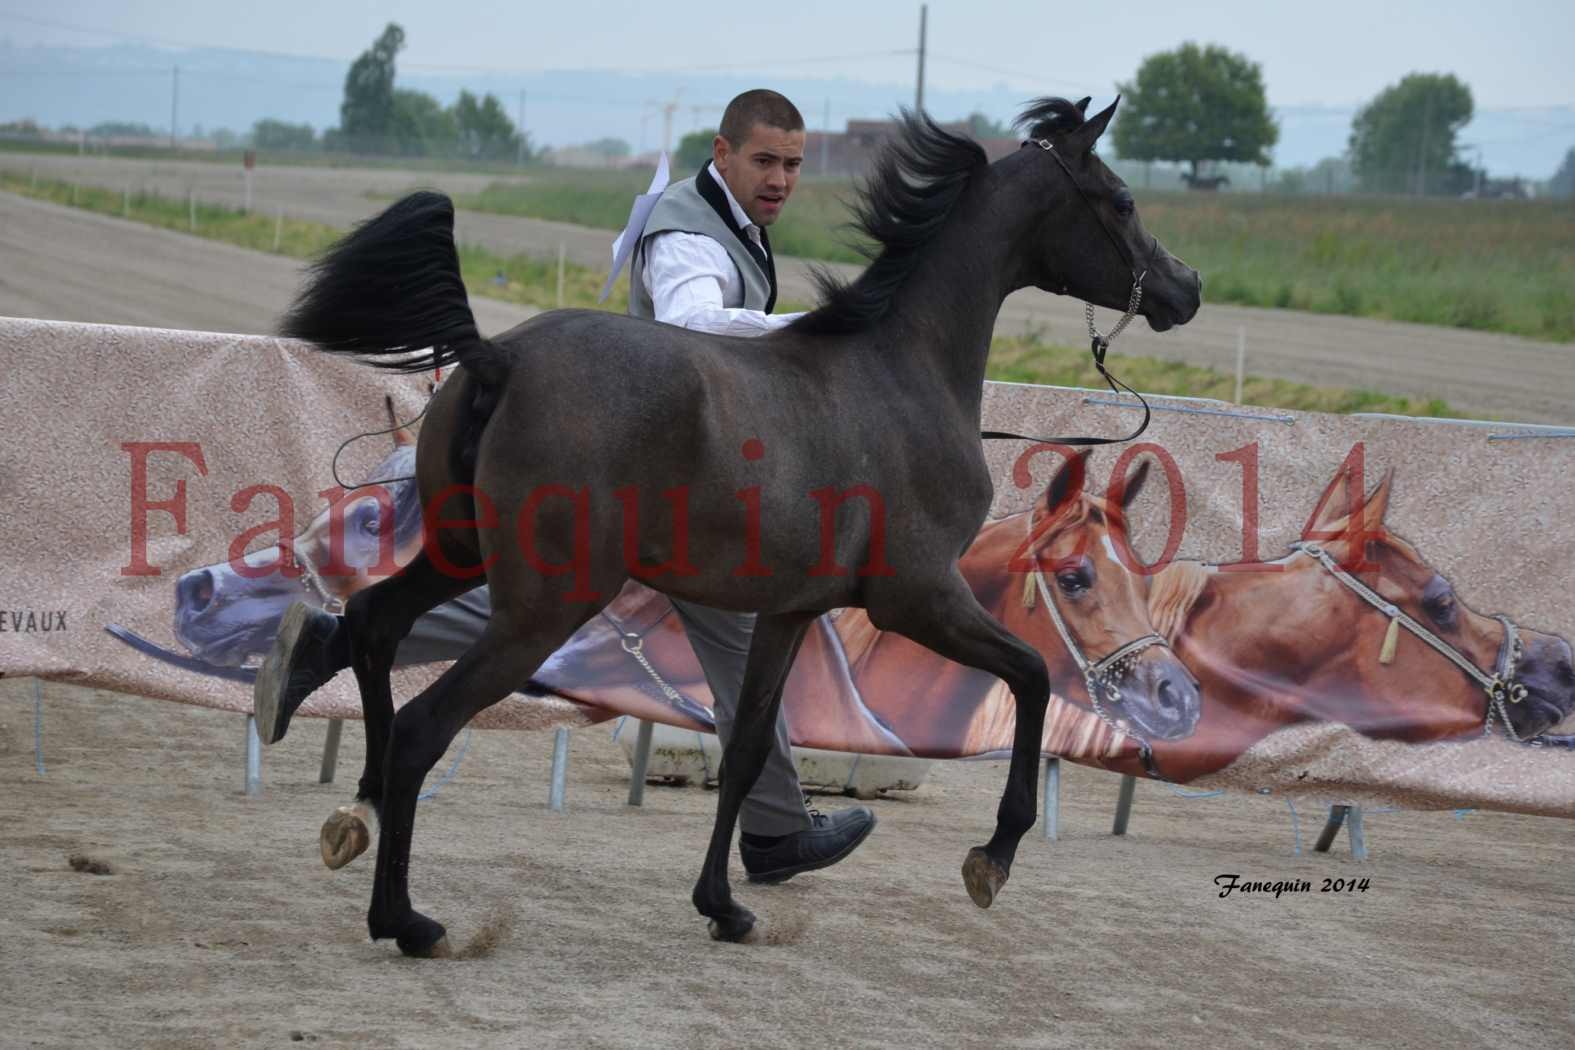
point(918, 101)
point(668, 109)
point(174, 104)
point(1421, 152)
point(519, 159)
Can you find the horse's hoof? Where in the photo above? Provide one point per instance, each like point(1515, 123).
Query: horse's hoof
point(737, 929)
point(983, 877)
point(346, 834)
point(424, 938)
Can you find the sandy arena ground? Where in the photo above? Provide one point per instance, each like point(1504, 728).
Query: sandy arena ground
point(219, 926)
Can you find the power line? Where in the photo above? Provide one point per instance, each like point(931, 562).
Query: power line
point(161, 41)
point(449, 67)
point(1022, 75)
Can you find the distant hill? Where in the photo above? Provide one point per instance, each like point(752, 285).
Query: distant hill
point(233, 89)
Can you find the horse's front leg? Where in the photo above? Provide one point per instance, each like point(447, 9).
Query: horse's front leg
point(775, 642)
point(953, 624)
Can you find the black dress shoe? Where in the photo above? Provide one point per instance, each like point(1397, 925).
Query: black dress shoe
point(826, 841)
point(299, 662)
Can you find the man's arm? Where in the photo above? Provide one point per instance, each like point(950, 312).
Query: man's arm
point(685, 274)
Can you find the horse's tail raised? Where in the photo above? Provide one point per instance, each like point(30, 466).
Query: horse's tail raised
point(391, 287)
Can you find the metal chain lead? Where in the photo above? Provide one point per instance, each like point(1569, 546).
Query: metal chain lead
point(1102, 342)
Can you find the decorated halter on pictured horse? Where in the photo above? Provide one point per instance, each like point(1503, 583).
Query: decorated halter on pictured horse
point(1501, 686)
point(1101, 676)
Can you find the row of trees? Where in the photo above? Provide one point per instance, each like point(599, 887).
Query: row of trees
point(377, 117)
point(1207, 105)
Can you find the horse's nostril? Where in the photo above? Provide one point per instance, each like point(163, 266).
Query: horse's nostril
point(195, 590)
point(1169, 699)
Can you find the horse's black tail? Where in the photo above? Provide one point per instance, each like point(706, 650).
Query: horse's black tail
point(392, 287)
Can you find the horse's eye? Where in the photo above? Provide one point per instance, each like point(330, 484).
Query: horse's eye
point(1072, 582)
point(1125, 205)
point(1442, 609)
point(367, 519)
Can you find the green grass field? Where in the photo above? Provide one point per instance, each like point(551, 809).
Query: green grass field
point(533, 282)
point(1030, 361)
point(1501, 266)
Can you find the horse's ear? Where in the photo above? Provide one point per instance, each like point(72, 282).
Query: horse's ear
point(1377, 503)
point(1068, 483)
point(402, 434)
point(1081, 105)
point(1333, 507)
point(1082, 140)
point(1134, 484)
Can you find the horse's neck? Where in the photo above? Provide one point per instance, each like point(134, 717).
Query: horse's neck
point(945, 312)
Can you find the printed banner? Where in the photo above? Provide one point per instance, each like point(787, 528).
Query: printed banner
point(1343, 608)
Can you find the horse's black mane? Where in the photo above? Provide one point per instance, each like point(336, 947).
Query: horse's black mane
point(918, 179)
point(1051, 116)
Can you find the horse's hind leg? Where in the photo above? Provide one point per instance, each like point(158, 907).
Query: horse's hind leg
point(954, 625)
point(771, 650)
point(500, 661)
point(377, 620)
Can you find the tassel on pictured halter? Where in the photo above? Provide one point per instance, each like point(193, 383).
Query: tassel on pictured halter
point(1386, 655)
point(1029, 590)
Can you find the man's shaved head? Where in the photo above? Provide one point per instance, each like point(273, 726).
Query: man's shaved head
point(760, 106)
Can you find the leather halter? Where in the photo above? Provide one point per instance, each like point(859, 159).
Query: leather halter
point(1501, 686)
point(1098, 344)
point(1100, 677)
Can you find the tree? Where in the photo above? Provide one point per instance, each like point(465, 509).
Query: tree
point(420, 125)
point(1563, 183)
point(694, 149)
point(269, 133)
point(982, 127)
point(1196, 104)
point(485, 130)
point(1403, 141)
point(122, 129)
point(611, 148)
point(366, 115)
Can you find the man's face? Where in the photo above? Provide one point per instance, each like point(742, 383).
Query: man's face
point(762, 171)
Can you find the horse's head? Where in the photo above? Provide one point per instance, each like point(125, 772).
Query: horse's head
point(1103, 605)
point(1090, 242)
point(1402, 685)
point(229, 611)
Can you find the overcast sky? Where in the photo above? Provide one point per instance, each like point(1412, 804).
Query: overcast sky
point(1335, 52)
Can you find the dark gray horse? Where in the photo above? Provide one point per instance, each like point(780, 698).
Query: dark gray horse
point(835, 463)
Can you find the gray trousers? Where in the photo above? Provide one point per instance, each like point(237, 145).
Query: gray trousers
point(720, 639)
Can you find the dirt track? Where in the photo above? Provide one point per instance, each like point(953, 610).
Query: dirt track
point(1504, 376)
point(73, 265)
point(220, 927)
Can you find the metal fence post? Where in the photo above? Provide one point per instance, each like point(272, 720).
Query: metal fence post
point(253, 758)
point(560, 763)
point(1124, 805)
point(642, 759)
point(1052, 799)
point(331, 751)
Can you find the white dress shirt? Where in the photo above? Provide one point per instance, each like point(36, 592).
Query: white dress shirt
point(694, 283)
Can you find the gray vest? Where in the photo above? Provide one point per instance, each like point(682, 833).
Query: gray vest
point(690, 206)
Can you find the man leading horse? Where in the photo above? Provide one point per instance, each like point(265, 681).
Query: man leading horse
point(703, 261)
